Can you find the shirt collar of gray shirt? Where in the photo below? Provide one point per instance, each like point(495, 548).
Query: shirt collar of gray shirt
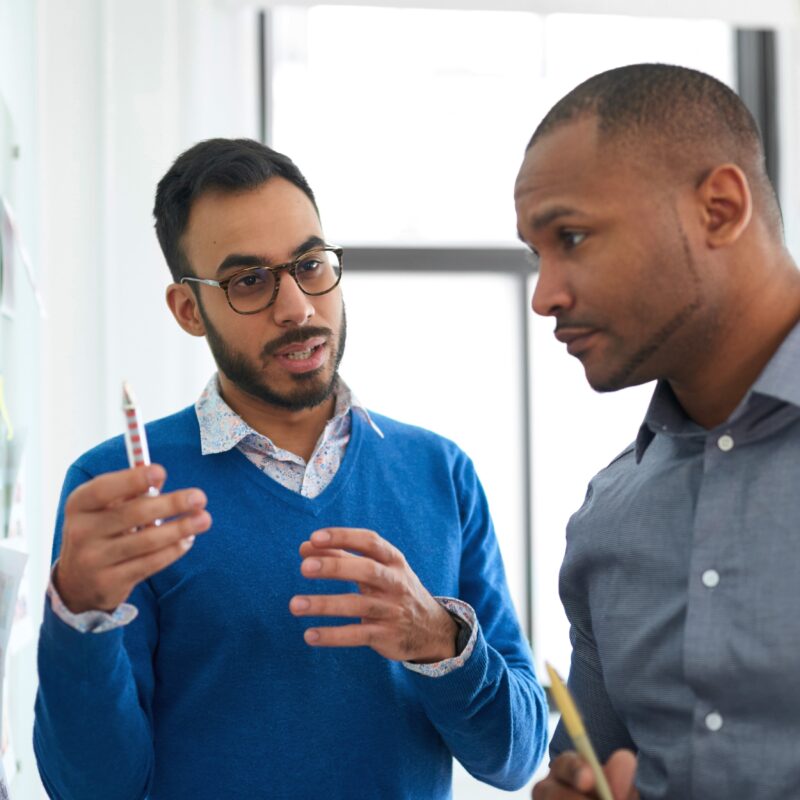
point(780, 380)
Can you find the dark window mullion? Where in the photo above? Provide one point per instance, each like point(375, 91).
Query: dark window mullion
point(264, 51)
point(757, 85)
point(436, 259)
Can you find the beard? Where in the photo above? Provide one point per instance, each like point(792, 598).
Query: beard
point(310, 388)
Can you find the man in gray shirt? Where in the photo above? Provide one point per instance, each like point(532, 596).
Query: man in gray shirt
point(644, 197)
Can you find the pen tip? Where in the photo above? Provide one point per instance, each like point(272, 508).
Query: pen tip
point(553, 675)
point(127, 394)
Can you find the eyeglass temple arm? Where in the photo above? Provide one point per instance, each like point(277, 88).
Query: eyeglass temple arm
point(206, 281)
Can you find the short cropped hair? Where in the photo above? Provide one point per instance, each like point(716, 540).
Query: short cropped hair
point(680, 116)
point(228, 165)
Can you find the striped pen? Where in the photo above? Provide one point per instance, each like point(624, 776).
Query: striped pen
point(135, 439)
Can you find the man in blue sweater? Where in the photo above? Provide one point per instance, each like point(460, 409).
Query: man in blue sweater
point(343, 623)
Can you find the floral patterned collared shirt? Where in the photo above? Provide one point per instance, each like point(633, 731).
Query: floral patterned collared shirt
point(221, 429)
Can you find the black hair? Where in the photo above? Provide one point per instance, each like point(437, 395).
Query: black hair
point(231, 165)
point(672, 112)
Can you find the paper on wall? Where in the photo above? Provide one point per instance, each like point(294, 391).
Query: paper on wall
point(22, 628)
point(7, 304)
point(12, 244)
point(12, 568)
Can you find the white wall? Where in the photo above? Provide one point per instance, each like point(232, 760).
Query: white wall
point(125, 87)
point(20, 348)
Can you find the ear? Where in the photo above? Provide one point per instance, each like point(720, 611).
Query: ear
point(183, 305)
point(726, 205)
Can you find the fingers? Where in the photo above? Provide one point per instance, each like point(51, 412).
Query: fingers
point(112, 487)
point(148, 540)
point(135, 570)
point(551, 789)
point(363, 571)
point(310, 549)
point(570, 769)
point(358, 540)
point(135, 513)
point(324, 557)
point(145, 510)
point(620, 770)
point(341, 605)
point(359, 635)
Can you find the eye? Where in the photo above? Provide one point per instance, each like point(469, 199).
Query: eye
point(308, 265)
point(571, 239)
point(250, 280)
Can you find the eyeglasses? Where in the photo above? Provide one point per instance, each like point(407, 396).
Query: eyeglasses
point(253, 289)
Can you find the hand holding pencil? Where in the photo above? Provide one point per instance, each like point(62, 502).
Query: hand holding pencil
point(575, 775)
point(111, 536)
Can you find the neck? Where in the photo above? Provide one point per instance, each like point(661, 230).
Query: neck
point(295, 431)
point(732, 361)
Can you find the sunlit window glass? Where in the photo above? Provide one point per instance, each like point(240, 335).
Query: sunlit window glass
point(409, 123)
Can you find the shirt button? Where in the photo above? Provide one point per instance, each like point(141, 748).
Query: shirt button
point(725, 443)
point(713, 721)
point(710, 578)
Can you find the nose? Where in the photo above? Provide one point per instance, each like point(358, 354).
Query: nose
point(552, 294)
point(291, 306)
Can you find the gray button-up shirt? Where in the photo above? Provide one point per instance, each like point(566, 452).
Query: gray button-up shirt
point(681, 582)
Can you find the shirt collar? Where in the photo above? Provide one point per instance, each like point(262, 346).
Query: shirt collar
point(779, 379)
point(347, 400)
point(221, 428)
point(664, 415)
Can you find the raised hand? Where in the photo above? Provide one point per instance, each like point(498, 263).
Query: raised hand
point(110, 539)
point(398, 616)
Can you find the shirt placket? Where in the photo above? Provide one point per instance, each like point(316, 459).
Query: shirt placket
point(712, 577)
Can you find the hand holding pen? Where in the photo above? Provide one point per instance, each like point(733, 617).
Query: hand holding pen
point(575, 775)
point(110, 537)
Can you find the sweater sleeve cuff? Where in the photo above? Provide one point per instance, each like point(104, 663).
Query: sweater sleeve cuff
point(90, 621)
point(465, 615)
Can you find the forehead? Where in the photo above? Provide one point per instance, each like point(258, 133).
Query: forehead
point(270, 221)
point(571, 167)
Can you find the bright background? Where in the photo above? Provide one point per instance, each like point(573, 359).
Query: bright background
point(410, 125)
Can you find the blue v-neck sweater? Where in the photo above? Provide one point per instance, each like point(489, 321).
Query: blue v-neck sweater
point(211, 691)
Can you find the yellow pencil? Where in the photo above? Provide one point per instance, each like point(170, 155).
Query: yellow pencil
point(574, 725)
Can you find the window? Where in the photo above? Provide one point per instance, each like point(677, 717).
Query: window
point(411, 124)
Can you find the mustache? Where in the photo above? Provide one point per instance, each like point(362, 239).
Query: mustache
point(294, 336)
point(562, 323)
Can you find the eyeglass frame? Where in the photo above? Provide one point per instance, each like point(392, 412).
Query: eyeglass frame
point(289, 266)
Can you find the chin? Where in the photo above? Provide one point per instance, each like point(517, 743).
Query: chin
point(604, 388)
point(607, 380)
point(614, 381)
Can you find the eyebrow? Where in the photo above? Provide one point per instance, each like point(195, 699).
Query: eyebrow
point(549, 216)
point(243, 260)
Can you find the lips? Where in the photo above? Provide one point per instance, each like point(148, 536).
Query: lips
point(303, 357)
point(300, 347)
point(577, 340)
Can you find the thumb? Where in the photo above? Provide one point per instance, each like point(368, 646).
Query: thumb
point(620, 770)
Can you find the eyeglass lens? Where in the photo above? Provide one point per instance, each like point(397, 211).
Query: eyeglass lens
point(316, 272)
